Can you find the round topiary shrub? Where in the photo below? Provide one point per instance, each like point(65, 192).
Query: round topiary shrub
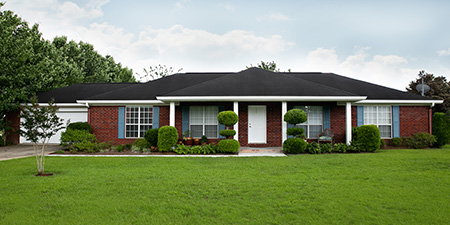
point(167, 138)
point(295, 131)
point(441, 131)
point(227, 118)
point(227, 133)
point(294, 146)
point(368, 138)
point(229, 146)
point(295, 116)
point(152, 137)
point(80, 126)
point(141, 143)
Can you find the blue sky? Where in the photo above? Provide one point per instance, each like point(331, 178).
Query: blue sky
point(384, 42)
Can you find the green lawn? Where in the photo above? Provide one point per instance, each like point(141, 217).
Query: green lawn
point(387, 187)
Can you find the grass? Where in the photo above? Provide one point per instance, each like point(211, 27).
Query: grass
point(387, 187)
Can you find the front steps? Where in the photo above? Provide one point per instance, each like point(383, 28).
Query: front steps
point(263, 151)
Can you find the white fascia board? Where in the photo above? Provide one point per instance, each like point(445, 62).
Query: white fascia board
point(66, 105)
point(120, 102)
point(400, 102)
point(260, 98)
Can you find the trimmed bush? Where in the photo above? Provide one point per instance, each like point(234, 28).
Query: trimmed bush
point(295, 116)
point(313, 148)
point(295, 131)
point(141, 144)
point(167, 138)
point(441, 129)
point(395, 142)
point(294, 146)
point(368, 138)
point(80, 126)
point(227, 133)
point(420, 140)
point(229, 146)
point(70, 137)
point(227, 118)
point(152, 137)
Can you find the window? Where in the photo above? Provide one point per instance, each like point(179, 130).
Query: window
point(203, 121)
point(138, 119)
point(314, 125)
point(380, 116)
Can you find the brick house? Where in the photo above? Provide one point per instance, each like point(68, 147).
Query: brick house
point(191, 101)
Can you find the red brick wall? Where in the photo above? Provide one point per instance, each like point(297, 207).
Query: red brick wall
point(164, 116)
point(414, 119)
point(104, 121)
point(337, 122)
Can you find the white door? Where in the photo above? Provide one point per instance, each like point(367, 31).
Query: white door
point(256, 124)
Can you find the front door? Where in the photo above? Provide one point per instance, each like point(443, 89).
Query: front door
point(256, 124)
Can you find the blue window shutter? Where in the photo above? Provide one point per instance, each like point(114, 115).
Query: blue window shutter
point(121, 125)
point(396, 120)
point(185, 118)
point(221, 126)
point(155, 117)
point(326, 117)
point(360, 115)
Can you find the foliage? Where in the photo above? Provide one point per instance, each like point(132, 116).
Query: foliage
point(313, 148)
point(229, 146)
point(382, 143)
point(397, 141)
point(158, 71)
point(420, 140)
point(326, 147)
point(119, 148)
point(204, 139)
point(204, 149)
point(270, 66)
point(85, 146)
point(38, 125)
point(141, 143)
point(227, 118)
point(439, 89)
point(295, 116)
point(340, 148)
point(441, 129)
point(80, 126)
point(151, 136)
point(227, 133)
point(297, 132)
point(367, 138)
point(167, 138)
point(294, 146)
point(71, 137)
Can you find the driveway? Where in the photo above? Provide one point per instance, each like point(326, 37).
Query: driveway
point(23, 150)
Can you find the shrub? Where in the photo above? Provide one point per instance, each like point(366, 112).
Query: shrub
point(80, 126)
point(2, 142)
point(441, 129)
point(296, 132)
point(295, 116)
point(119, 148)
point(340, 147)
point(152, 137)
point(382, 143)
point(229, 146)
point(354, 134)
point(294, 146)
point(368, 138)
point(71, 137)
point(313, 148)
point(227, 133)
point(204, 139)
point(227, 118)
point(85, 146)
point(141, 144)
point(167, 138)
point(420, 140)
point(397, 141)
point(326, 147)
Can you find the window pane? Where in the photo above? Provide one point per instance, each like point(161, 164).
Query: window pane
point(211, 131)
point(314, 130)
point(315, 115)
point(131, 131)
point(370, 115)
point(211, 114)
point(385, 131)
point(384, 115)
point(196, 114)
point(197, 131)
point(144, 129)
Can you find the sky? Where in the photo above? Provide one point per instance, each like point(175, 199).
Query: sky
point(386, 42)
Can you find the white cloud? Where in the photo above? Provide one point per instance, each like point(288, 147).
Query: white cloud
point(181, 4)
point(444, 52)
point(226, 5)
point(277, 16)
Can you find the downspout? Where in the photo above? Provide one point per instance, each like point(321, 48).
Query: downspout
point(430, 119)
point(89, 113)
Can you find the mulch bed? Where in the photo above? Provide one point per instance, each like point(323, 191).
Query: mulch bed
point(128, 152)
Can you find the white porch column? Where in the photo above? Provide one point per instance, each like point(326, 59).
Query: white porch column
point(236, 126)
point(348, 122)
point(283, 124)
point(172, 114)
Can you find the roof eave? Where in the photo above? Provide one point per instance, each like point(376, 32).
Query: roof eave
point(119, 102)
point(400, 102)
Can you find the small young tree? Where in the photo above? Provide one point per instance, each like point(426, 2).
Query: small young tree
point(39, 124)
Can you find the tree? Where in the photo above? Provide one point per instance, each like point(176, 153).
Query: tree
point(439, 89)
point(270, 66)
point(156, 72)
point(38, 126)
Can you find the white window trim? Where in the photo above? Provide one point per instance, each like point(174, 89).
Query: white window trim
point(378, 123)
point(307, 124)
point(139, 120)
point(204, 124)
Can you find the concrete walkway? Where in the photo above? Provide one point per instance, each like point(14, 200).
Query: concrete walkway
point(22, 151)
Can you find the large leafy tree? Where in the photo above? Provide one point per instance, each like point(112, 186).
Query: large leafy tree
point(159, 71)
point(439, 89)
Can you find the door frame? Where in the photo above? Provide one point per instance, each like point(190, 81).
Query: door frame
point(265, 124)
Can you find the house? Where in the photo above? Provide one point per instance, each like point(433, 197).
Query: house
point(191, 101)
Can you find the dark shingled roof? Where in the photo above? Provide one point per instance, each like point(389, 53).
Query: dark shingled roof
point(249, 82)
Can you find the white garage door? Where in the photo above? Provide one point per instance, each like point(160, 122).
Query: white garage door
point(72, 114)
